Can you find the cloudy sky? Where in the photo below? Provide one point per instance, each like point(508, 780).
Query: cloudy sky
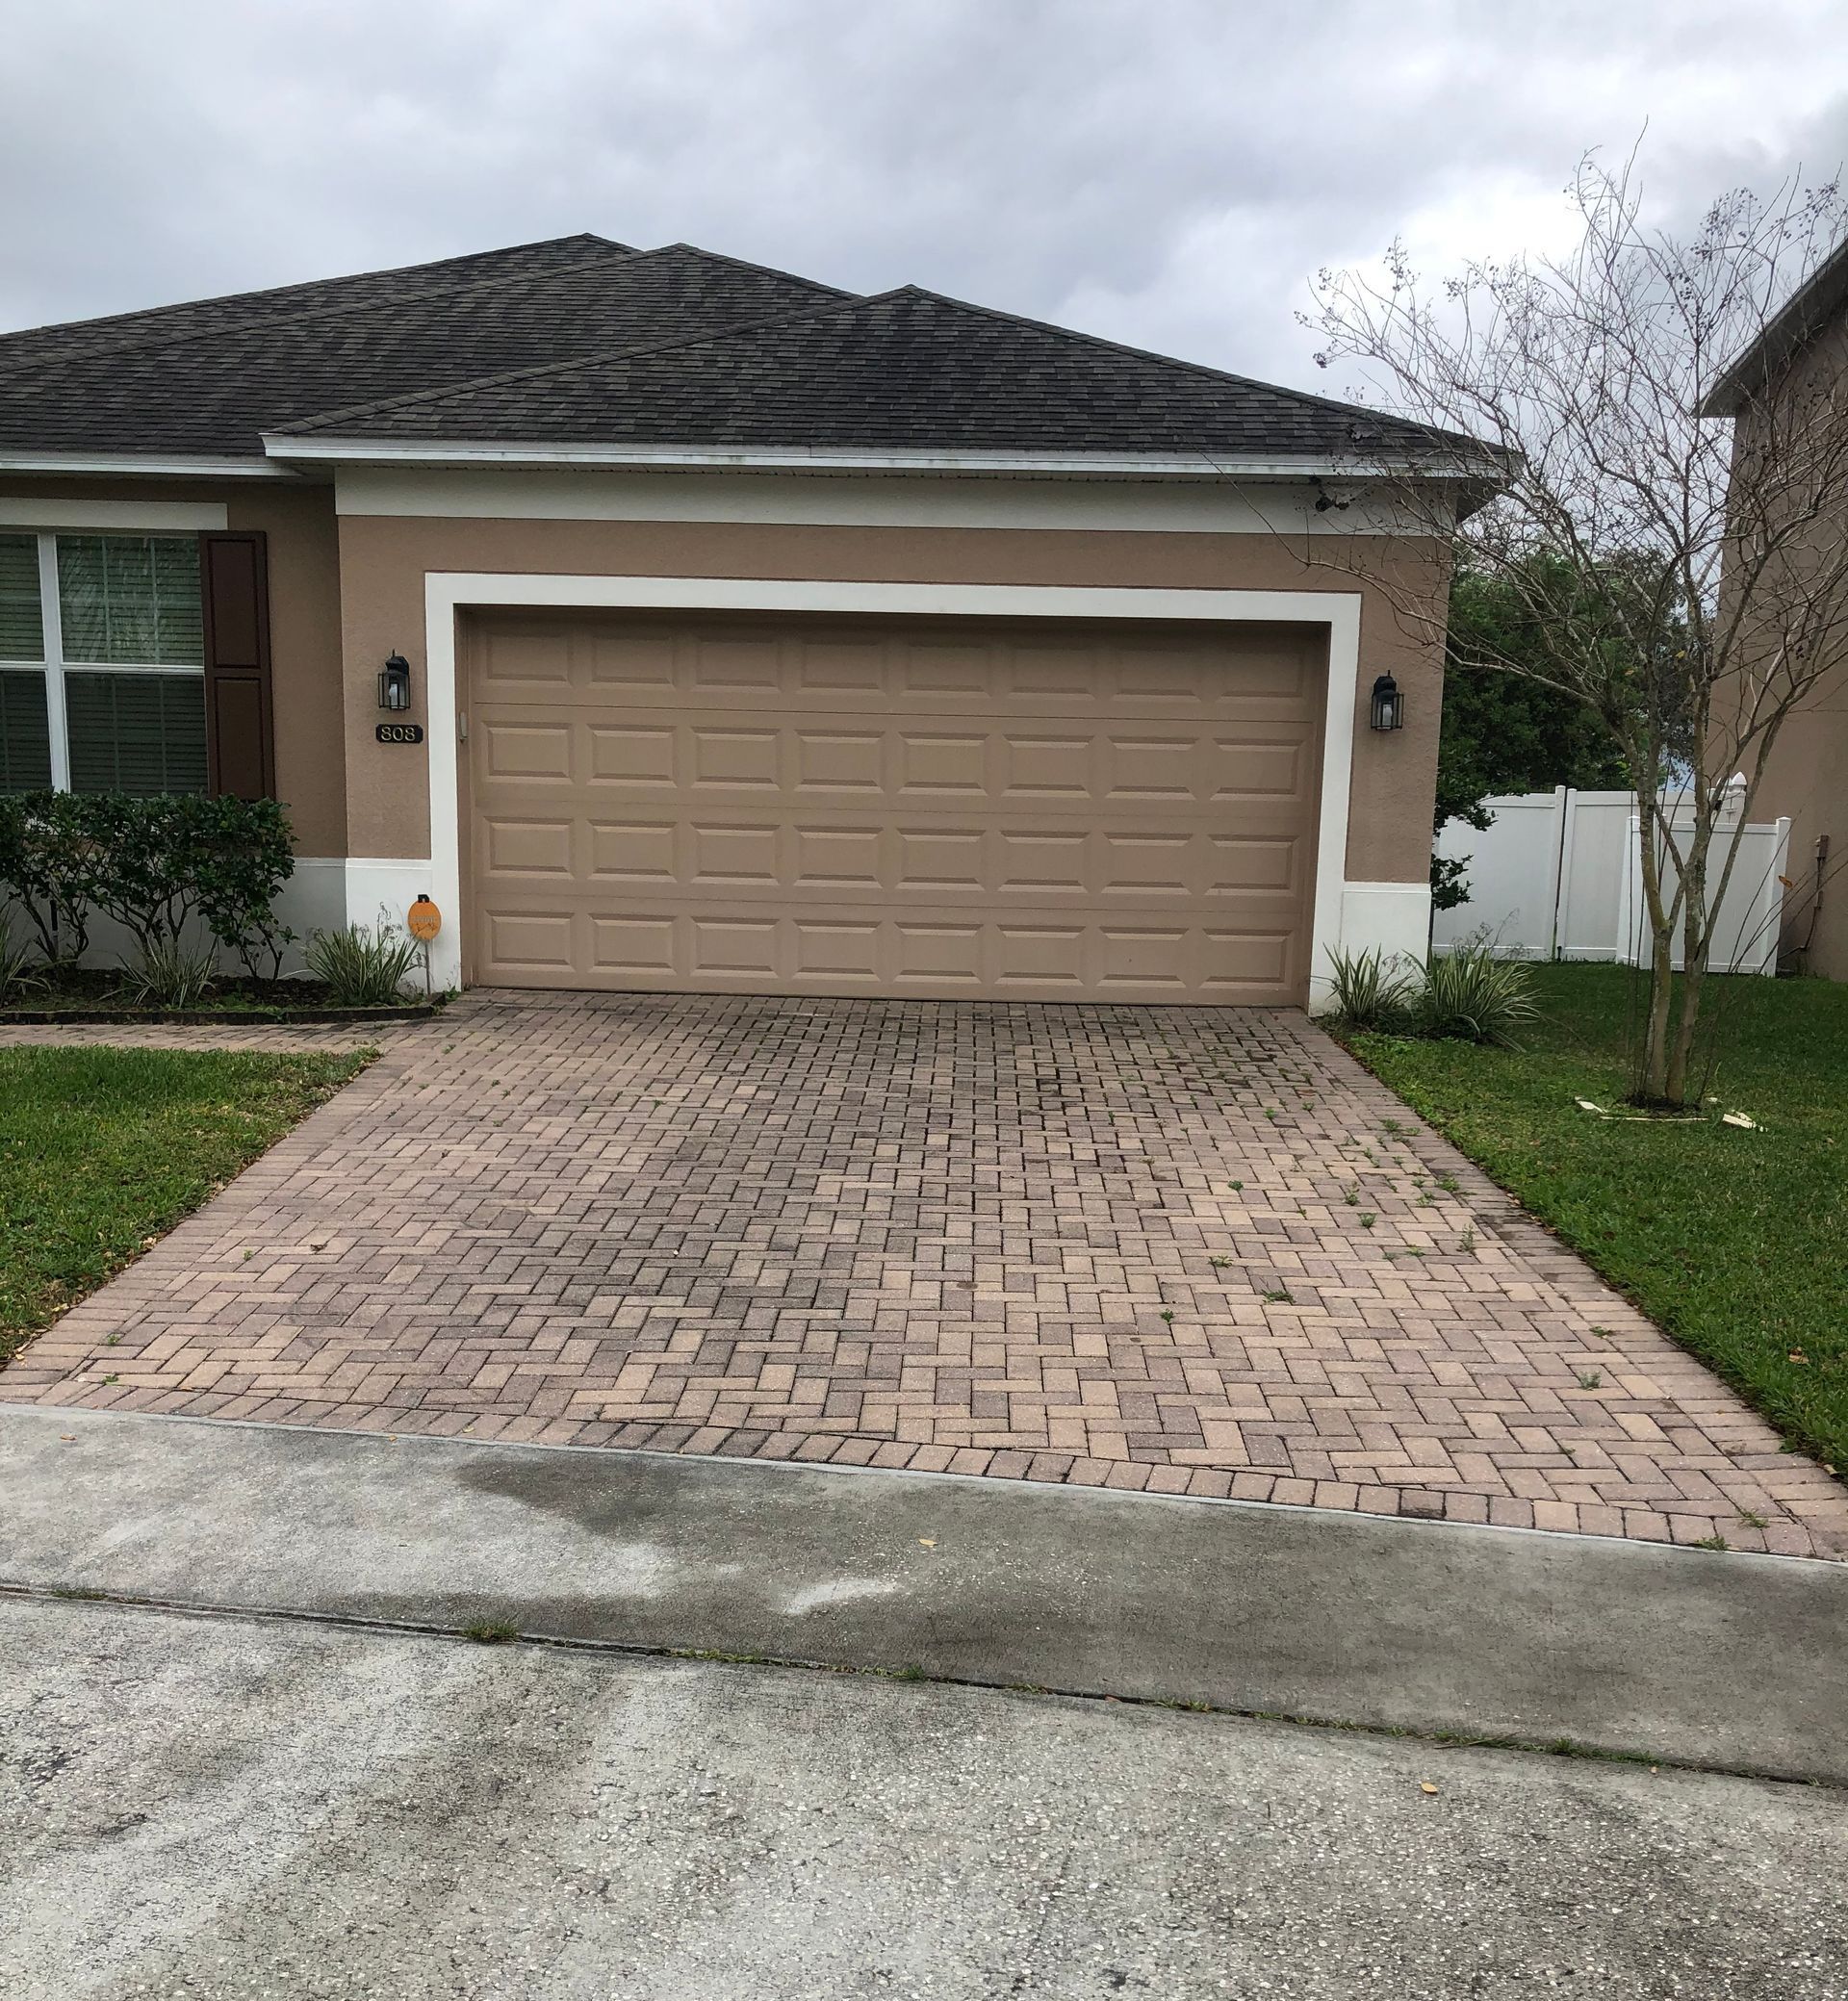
point(1166, 171)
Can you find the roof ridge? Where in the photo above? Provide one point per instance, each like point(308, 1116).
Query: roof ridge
point(1170, 360)
point(618, 253)
point(747, 264)
point(303, 426)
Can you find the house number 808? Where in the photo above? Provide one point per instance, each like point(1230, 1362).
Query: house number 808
point(399, 733)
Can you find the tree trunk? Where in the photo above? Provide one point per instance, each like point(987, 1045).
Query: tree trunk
point(1697, 944)
point(1652, 1082)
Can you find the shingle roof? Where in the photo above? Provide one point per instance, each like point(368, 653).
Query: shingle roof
point(1815, 305)
point(255, 310)
point(906, 370)
point(580, 341)
point(213, 389)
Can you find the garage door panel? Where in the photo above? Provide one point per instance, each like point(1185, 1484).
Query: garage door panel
point(531, 942)
point(1040, 861)
point(718, 758)
point(528, 847)
point(892, 806)
point(839, 858)
point(512, 749)
point(1039, 954)
point(629, 754)
point(850, 950)
point(1256, 863)
point(632, 852)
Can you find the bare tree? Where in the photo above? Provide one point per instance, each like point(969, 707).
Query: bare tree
point(1674, 524)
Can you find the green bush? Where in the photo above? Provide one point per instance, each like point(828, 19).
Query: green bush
point(363, 968)
point(1369, 991)
point(1471, 995)
point(152, 864)
point(49, 862)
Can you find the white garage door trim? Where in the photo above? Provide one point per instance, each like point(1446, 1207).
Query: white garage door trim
point(446, 593)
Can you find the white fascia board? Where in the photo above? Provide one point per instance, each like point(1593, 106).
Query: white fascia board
point(821, 459)
point(145, 465)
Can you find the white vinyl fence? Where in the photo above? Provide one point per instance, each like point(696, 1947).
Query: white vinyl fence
point(1559, 876)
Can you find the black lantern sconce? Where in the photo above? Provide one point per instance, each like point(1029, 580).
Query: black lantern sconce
point(395, 683)
point(1389, 704)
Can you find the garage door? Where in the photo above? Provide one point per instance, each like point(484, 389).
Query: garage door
point(1010, 810)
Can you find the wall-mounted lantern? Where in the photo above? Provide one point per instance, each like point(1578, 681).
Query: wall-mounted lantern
point(395, 683)
point(1389, 704)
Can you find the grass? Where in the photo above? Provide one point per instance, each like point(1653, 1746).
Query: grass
point(1735, 1241)
point(101, 1150)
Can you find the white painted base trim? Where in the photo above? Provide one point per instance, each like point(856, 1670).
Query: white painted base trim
point(326, 892)
point(382, 891)
point(1393, 914)
point(1394, 917)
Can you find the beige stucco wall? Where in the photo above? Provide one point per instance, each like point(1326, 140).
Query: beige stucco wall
point(1806, 781)
point(304, 621)
point(1805, 774)
point(384, 559)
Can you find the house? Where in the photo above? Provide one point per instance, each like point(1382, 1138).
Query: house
point(1796, 372)
point(681, 625)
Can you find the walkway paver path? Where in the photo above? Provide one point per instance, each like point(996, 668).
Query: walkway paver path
point(1194, 1250)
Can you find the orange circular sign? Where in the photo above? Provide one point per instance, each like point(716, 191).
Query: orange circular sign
point(424, 920)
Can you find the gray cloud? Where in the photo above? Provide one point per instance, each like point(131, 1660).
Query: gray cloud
point(1167, 172)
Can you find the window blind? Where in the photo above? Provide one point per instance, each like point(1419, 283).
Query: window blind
point(136, 733)
point(22, 633)
point(25, 739)
point(132, 600)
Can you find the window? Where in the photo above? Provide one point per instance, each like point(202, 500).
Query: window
point(102, 675)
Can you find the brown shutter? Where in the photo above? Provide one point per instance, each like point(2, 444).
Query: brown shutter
point(240, 749)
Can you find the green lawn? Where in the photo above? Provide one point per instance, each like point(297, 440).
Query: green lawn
point(1735, 1241)
point(101, 1149)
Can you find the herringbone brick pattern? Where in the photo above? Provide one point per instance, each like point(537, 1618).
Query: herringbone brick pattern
point(1192, 1251)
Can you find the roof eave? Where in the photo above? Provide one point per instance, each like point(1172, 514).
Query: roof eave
point(145, 464)
point(296, 448)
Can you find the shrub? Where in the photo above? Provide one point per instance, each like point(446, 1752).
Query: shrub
point(151, 863)
point(240, 854)
point(1369, 991)
point(169, 974)
point(1473, 996)
point(362, 967)
point(49, 862)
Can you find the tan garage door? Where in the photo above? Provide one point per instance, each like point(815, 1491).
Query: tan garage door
point(1003, 809)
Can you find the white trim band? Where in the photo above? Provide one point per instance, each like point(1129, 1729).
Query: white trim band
point(144, 464)
point(171, 516)
point(816, 458)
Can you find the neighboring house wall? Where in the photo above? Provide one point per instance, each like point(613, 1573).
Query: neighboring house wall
point(1806, 775)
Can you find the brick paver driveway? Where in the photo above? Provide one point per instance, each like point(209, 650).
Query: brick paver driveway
point(1194, 1250)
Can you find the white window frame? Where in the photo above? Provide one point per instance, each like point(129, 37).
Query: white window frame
point(55, 666)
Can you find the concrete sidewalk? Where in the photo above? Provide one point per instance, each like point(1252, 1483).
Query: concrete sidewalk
point(1733, 1661)
point(223, 1808)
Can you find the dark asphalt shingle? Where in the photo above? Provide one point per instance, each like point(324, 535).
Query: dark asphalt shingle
point(908, 369)
point(583, 340)
point(213, 390)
